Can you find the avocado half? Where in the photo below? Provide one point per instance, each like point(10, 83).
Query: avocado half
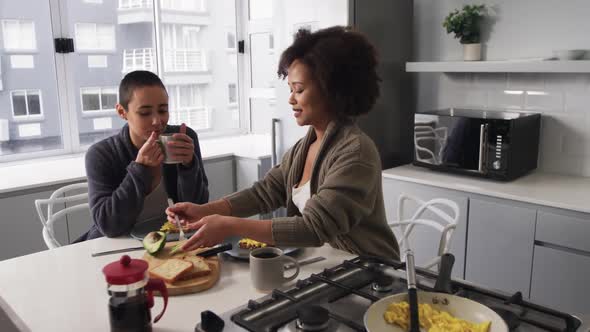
point(154, 242)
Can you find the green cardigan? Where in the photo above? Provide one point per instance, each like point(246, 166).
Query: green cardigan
point(346, 206)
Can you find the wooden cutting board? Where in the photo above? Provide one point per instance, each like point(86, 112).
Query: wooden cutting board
point(185, 286)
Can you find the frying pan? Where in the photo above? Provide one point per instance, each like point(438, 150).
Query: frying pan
point(457, 306)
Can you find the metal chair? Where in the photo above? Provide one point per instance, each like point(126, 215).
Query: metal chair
point(445, 224)
point(59, 197)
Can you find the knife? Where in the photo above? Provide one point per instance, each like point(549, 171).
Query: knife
point(215, 250)
point(304, 262)
point(110, 252)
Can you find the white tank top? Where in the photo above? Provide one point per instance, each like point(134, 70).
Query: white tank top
point(154, 204)
point(301, 195)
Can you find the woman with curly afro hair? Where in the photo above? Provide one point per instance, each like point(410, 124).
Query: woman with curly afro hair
point(330, 180)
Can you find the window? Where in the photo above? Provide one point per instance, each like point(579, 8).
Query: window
point(233, 94)
point(186, 106)
point(54, 104)
point(98, 99)
point(95, 37)
point(184, 5)
point(26, 104)
point(19, 35)
point(231, 40)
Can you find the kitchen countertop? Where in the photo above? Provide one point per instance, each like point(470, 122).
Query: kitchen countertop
point(559, 191)
point(64, 289)
point(70, 168)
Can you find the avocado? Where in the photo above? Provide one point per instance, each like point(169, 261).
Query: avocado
point(154, 242)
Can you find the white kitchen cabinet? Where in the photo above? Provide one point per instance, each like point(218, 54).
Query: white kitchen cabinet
point(561, 263)
point(21, 227)
point(220, 174)
point(424, 240)
point(560, 279)
point(500, 241)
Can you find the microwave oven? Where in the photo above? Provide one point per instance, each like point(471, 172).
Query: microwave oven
point(500, 145)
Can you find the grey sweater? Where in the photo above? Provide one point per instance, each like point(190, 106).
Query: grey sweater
point(346, 206)
point(117, 185)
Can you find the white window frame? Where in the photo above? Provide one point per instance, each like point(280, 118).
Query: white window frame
point(95, 47)
point(93, 2)
point(101, 112)
point(20, 37)
point(28, 116)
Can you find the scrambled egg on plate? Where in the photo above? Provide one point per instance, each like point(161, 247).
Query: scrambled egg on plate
point(247, 243)
point(171, 227)
point(430, 319)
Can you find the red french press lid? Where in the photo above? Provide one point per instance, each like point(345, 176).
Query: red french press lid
point(125, 271)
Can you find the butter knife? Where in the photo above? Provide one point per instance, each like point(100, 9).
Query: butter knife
point(215, 250)
point(116, 251)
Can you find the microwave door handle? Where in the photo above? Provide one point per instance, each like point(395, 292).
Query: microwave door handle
point(483, 132)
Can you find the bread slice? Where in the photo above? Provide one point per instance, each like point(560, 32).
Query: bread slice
point(171, 270)
point(200, 267)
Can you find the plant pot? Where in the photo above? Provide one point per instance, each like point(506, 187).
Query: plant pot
point(472, 52)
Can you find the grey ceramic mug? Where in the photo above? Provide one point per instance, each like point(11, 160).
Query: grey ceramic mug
point(267, 268)
point(164, 139)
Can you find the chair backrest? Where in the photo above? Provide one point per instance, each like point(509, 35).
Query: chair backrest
point(445, 223)
point(57, 197)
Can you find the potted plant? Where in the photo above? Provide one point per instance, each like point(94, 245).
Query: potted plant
point(465, 24)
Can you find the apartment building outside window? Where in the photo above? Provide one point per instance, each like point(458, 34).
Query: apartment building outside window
point(99, 99)
point(53, 103)
point(19, 35)
point(26, 104)
point(233, 94)
point(95, 37)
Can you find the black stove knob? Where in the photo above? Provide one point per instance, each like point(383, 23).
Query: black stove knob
point(313, 318)
point(210, 322)
point(383, 283)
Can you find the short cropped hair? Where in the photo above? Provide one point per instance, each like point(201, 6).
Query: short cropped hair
point(343, 62)
point(134, 80)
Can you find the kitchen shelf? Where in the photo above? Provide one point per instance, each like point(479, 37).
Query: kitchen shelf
point(507, 66)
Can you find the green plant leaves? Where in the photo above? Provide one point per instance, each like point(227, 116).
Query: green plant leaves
point(465, 24)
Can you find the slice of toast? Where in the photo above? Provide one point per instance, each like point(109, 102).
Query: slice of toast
point(200, 267)
point(171, 270)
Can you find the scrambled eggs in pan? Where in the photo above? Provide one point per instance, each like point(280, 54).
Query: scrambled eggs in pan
point(431, 320)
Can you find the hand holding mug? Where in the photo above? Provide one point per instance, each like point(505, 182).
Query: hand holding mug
point(178, 148)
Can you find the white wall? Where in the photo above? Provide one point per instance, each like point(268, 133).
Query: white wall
point(518, 29)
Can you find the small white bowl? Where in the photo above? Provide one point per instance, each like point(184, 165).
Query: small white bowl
point(569, 54)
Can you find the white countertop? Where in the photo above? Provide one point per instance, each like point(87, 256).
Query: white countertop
point(70, 168)
point(64, 289)
point(559, 191)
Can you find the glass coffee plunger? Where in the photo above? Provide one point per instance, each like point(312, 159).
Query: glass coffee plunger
point(131, 295)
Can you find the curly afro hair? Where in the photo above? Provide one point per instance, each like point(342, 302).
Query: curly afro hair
point(343, 62)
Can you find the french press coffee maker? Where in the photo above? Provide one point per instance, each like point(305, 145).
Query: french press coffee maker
point(131, 295)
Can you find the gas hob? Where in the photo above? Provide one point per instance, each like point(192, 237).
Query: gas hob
point(337, 299)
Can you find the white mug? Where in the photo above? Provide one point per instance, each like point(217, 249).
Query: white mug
point(267, 268)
